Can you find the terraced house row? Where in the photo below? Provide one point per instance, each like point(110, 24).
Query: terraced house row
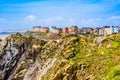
point(106, 30)
point(101, 31)
point(53, 29)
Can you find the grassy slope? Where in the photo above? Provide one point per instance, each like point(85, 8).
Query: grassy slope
point(81, 59)
point(78, 58)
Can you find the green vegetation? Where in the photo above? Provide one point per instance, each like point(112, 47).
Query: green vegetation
point(88, 61)
point(28, 33)
point(78, 57)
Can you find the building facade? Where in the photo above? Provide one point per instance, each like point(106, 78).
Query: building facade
point(54, 30)
point(85, 30)
point(65, 30)
point(36, 28)
point(101, 31)
point(114, 29)
point(118, 29)
point(40, 29)
point(96, 31)
point(107, 30)
point(73, 30)
point(44, 29)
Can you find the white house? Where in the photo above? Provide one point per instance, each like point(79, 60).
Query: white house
point(54, 30)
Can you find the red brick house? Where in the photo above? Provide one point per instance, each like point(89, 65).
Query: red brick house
point(65, 30)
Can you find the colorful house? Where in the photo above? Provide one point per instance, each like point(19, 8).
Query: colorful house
point(107, 30)
point(114, 29)
point(110, 29)
point(60, 30)
point(118, 29)
point(40, 29)
point(54, 30)
point(73, 30)
point(92, 32)
point(65, 30)
point(101, 31)
point(96, 31)
point(85, 30)
point(36, 28)
point(44, 29)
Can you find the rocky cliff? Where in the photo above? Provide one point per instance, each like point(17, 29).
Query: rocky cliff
point(73, 57)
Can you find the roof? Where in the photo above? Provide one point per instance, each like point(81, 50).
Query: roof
point(37, 27)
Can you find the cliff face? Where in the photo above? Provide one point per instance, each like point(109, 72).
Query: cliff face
point(73, 57)
point(17, 54)
point(10, 56)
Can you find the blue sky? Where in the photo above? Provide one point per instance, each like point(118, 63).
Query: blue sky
point(21, 15)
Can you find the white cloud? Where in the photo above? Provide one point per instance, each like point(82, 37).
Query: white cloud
point(71, 20)
point(63, 21)
point(56, 21)
point(30, 18)
point(92, 22)
point(52, 20)
point(59, 18)
point(114, 18)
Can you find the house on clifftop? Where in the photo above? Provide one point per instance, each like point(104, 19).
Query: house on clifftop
point(40, 29)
